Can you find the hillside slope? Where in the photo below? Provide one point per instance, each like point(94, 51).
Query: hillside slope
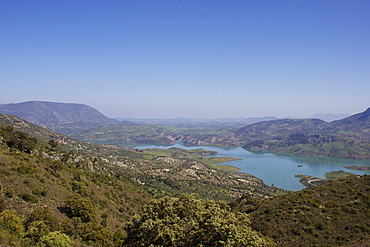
point(357, 124)
point(282, 127)
point(86, 194)
point(74, 195)
point(158, 173)
point(347, 138)
point(65, 118)
point(333, 214)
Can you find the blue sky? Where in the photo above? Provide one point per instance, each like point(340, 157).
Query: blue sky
point(194, 59)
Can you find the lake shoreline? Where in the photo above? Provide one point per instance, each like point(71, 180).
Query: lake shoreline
point(277, 169)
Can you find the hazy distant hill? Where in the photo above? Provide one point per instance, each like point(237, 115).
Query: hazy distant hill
point(346, 138)
point(214, 123)
point(239, 122)
point(179, 121)
point(282, 127)
point(357, 124)
point(65, 118)
point(360, 120)
point(328, 117)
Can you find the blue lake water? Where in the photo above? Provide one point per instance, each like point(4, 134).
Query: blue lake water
point(276, 169)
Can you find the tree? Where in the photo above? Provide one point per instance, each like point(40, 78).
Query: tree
point(95, 234)
point(188, 221)
point(53, 144)
point(36, 230)
point(11, 228)
point(10, 220)
point(76, 206)
point(18, 139)
point(55, 239)
point(45, 215)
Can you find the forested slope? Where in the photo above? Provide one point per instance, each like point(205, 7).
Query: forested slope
point(333, 214)
point(83, 194)
point(61, 193)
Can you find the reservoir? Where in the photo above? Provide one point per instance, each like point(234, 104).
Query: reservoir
point(277, 169)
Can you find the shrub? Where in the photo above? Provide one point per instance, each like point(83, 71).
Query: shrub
point(45, 215)
point(80, 188)
point(187, 221)
point(5, 172)
point(39, 191)
point(95, 234)
point(29, 198)
point(76, 206)
point(9, 193)
point(55, 239)
point(36, 230)
point(24, 169)
point(9, 220)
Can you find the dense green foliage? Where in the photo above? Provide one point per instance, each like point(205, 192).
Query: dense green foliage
point(333, 214)
point(187, 221)
point(65, 199)
point(18, 140)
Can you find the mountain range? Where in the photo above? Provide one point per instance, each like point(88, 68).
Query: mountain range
point(329, 117)
point(66, 118)
point(345, 138)
point(73, 193)
point(188, 122)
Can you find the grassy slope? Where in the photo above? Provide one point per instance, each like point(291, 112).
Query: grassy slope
point(47, 180)
point(333, 214)
point(156, 135)
point(199, 155)
point(333, 145)
point(189, 172)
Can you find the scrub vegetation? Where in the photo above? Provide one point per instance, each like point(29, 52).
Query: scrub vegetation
point(56, 191)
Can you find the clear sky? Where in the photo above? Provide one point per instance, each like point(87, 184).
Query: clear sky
point(188, 58)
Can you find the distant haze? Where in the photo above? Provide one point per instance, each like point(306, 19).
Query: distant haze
point(190, 59)
point(330, 117)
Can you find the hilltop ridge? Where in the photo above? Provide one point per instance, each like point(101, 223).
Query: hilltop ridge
point(65, 118)
point(345, 138)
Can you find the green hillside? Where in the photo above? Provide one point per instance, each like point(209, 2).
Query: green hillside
point(282, 127)
point(327, 145)
point(56, 191)
point(347, 138)
point(158, 135)
point(63, 192)
point(92, 191)
point(333, 214)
